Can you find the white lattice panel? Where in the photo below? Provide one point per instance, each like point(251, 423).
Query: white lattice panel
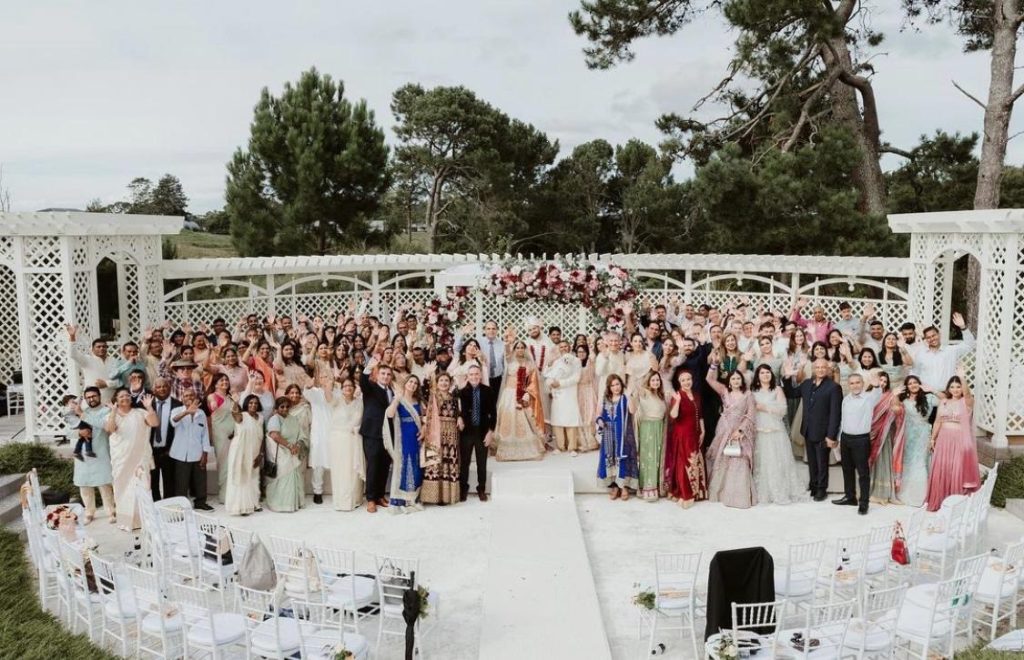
point(49, 369)
point(10, 348)
point(1015, 413)
point(204, 311)
point(42, 252)
point(7, 251)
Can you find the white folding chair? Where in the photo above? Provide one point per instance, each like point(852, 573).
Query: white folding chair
point(394, 577)
point(217, 562)
point(35, 496)
point(326, 632)
point(872, 635)
point(675, 600)
point(353, 594)
point(117, 601)
point(158, 621)
point(204, 629)
point(878, 562)
point(754, 625)
point(795, 582)
point(985, 505)
point(940, 539)
point(825, 623)
point(52, 587)
point(86, 606)
point(282, 550)
point(996, 597)
point(268, 634)
point(933, 615)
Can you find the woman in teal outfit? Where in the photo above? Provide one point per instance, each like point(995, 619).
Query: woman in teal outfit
point(286, 447)
point(910, 447)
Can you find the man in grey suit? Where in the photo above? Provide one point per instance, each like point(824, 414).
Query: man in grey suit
point(823, 400)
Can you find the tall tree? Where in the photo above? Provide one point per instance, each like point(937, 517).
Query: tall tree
point(314, 169)
point(456, 148)
point(166, 198)
point(805, 55)
point(648, 201)
point(938, 175)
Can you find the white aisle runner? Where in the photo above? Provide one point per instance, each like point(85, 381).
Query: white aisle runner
point(539, 595)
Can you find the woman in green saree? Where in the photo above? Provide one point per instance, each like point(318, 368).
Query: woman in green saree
point(286, 447)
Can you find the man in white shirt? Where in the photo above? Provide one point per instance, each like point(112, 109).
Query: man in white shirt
point(855, 442)
point(934, 363)
point(190, 450)
point(94, 366)
point(561, 379)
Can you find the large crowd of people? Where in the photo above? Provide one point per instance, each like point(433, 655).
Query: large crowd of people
point(687, 403)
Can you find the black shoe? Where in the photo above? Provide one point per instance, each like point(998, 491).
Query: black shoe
point(318, 498)
point(203, 507)
point(463, 496)
point(820, 497)
point(78, 456)
point(863, 509)
point(90, 454)
point(845, 501)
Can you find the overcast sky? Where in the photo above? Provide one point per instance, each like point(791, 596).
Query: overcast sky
point(97, 93)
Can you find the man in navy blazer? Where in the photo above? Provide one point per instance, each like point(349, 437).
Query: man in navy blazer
point(823, 401)
point(377, 396)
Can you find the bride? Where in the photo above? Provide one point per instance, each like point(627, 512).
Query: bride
point(775, 473)
point(520, 428)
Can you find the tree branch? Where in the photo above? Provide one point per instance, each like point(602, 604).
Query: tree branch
point(744, 129)
point(867, 95)
point(1016, 95)
point(889, 149)
point(969, 95)
point(805, 110)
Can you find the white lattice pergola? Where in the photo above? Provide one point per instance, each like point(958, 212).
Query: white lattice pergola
point(996, 239)
point(48, 278)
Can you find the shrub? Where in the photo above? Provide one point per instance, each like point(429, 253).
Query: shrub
point(27, 631)
point(54, 471)
point(979, 652)
point(1010, 482)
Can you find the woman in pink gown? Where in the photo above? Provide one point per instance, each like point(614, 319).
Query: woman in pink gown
point(955, 455)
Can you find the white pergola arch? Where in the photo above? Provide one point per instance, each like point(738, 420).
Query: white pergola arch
point(48, 277)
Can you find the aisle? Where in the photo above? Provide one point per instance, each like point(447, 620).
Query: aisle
point(539, 594)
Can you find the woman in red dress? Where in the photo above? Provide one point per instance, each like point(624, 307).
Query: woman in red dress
point(685, 477)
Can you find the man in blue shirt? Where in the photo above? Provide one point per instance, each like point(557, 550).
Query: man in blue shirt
point(190, 450)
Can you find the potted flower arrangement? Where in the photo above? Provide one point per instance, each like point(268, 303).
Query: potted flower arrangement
point(644, 598)
point(725, 647)
point(424, 594)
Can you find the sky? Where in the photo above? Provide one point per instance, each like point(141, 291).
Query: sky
point(98, 93)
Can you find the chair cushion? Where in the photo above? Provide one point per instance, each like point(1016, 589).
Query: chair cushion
point(922, 596)
point(151, 623)
point(798, 585)
point(675, 594)
point(120, 606)
point(341, 590)
point(914, 622)
point(869, 635)
point(994, 580)
point(263, 635)
point(228, 627)
point(327, 638)
point(875, 565)
point(935, 541)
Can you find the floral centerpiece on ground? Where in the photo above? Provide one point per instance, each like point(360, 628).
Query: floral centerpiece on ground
point(424, 594)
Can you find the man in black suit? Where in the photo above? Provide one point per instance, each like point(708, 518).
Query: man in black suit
point(160, 438)
point(377, 396)
point(823, 400)
point(477, 419)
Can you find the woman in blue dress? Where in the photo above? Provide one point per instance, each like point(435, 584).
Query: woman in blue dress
point(910, 446)
point(617, 469)
point(404, 447)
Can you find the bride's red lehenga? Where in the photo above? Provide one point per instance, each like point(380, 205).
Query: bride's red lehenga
point(685, 476)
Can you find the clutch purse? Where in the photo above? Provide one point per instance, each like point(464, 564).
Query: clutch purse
point(733, 450)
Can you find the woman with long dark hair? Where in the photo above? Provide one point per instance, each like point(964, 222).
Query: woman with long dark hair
point(648, 406)
point(775, 475)
point(954, 452)
point(731, 455)
point(617, 467)
point(586, 395)
point(910, 452)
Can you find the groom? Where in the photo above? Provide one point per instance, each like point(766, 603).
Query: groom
point(377, 396)
point(822, 398)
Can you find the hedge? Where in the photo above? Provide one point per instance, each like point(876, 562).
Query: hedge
point(1010, 482)
point(54, 471)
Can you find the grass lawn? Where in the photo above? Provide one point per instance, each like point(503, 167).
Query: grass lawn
point(27, 631)
point(197, 245)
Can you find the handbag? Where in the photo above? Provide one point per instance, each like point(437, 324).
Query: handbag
point(899, 551)
point(269, 467)
point(256, 571)
point(732, 449)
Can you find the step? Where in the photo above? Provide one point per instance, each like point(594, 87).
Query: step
point(10, 509)
point(10, 484)
point(1016, 507)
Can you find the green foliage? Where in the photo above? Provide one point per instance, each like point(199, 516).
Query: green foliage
point(315, 168)
point(979, 652)
point(803, 202)
point(167, 197)
point(972, 19)
point(54, 471)
point(27, 632)
point(198, 245)
point(168, 248)
point(469, 167)
point(1010, 482)
point(940, 175)
point(215, 222)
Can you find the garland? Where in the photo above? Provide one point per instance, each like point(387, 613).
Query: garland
point(604, 290)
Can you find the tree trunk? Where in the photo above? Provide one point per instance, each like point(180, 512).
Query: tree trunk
point(998, 110)
point(867, 173)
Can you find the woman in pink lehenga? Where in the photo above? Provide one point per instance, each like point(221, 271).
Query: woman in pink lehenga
point(955, 455)
point(732, 477)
